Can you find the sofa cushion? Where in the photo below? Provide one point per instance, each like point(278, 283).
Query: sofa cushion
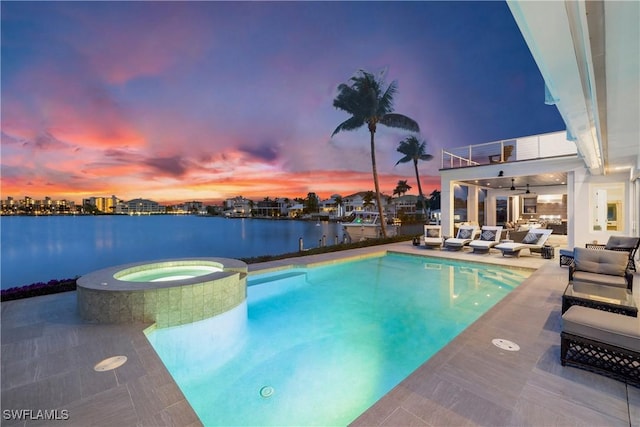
point(621, 242)
point(603, 326)
point(600, 279)
point(600, 261)
point(433, 232)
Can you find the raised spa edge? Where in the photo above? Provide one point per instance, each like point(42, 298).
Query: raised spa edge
point(102, 298)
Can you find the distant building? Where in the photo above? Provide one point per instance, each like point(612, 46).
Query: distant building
point(102, 204)
point(270, 208)
point(238, 207)
point(29, 206)
point(139, 207)
point(193, 207)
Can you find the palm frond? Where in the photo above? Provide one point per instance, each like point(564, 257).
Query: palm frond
point(351, 123)
point(385, 105)
point(405, 159)
point(426, 157)
point(401, 121)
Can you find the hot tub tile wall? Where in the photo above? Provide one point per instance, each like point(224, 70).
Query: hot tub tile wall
point(165, 306)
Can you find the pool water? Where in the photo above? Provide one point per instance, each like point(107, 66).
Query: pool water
point(318, 346)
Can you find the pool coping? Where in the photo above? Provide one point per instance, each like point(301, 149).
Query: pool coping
point(48, 354)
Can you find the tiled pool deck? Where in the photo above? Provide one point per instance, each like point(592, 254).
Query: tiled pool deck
point(48, 354)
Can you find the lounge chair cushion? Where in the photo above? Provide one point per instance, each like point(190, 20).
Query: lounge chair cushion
point(489, 235)
point(600, 261)
point(464, 233)
point(603, 326)
point(601, 279)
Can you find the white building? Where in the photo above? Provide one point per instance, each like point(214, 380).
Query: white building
point(588, 54)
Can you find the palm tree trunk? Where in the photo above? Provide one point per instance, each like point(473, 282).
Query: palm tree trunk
point(424, 207)
point(383, 221)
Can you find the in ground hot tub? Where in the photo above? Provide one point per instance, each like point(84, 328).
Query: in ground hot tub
point(168, 292)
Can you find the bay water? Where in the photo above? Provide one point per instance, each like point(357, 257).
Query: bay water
point(38, 249)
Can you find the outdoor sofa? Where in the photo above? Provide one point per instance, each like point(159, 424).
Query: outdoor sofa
point(602, 267)
point(623, 244)
point(602, 342)
point(489, 237)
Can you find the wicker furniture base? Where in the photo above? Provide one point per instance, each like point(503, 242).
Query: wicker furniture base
point(615, 362)
point(566, 257)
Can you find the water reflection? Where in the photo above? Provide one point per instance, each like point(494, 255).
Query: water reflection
point(45, 248)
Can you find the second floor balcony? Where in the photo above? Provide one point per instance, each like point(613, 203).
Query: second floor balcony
point(509, 150)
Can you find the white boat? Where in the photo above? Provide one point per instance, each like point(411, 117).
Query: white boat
point(366, 225)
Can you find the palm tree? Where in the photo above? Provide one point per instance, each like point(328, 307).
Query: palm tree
point(414, 150)
point(368, 199)
point(368, 101)
point(338, 200)
point(434, 200)
point(401, 188)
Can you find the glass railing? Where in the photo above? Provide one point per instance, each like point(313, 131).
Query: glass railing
point(509, 150)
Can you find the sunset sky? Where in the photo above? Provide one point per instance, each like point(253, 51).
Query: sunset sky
point(176, 101)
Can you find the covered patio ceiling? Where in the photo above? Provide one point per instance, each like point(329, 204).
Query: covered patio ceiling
point(588, 53)
point(537, 183)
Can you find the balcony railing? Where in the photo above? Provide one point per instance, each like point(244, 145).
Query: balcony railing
point(509, 150)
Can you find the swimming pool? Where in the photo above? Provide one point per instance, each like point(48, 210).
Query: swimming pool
point(318, 346)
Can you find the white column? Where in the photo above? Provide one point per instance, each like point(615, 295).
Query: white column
point(446, 206)
point(472, 203)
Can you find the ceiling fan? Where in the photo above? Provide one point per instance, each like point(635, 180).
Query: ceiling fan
point(513, 188)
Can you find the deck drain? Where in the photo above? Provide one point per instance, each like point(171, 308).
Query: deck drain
point(110, 363)
point(267, 391)
point(505, 344)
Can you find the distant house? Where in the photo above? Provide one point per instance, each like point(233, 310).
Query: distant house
point(355, 202)
point(237, 207)
point(329, 207)
point(405, 204)
point(295, 210)
point(267, 208)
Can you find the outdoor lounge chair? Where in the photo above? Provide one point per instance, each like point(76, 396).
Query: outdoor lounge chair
point(465, 235)
point(620, 243)
point(602, 342)
point(500, 158)
point(433, 236)
point(534, 239)
point(489, 237)
point(602, 267)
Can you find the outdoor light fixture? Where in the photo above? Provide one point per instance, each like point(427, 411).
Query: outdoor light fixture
point(513, 187)
point(501, 173)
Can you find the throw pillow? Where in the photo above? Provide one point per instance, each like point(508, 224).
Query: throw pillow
point(464, 233)
point(433, 232)
point(530, 238)
point(488, 235)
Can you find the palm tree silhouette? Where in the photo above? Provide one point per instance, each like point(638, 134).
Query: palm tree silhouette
point(414, 150)
point(368, 101)
point(402, 188)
